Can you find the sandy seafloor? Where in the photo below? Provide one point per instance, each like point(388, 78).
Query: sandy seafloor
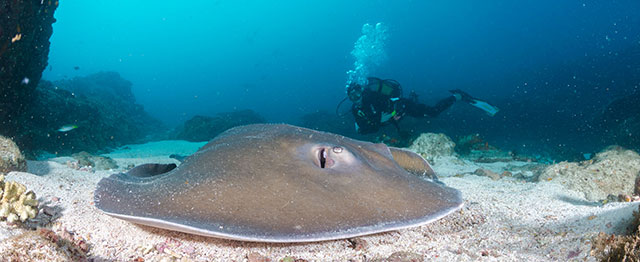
point(502, 220)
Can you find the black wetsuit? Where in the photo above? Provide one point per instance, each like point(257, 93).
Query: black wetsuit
point(375, 110)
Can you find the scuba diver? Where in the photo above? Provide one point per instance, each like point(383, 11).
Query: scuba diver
point(380, 102)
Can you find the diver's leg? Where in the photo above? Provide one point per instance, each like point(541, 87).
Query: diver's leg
point(415, 109)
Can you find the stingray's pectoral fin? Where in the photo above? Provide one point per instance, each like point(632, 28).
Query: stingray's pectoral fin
point(412, 162)
point(113, 194)
point(149, 170)
point(116, 193)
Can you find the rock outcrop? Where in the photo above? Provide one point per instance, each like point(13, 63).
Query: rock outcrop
point(101, 106)
point(11, 159)
point(611, 172)
point(205, 128)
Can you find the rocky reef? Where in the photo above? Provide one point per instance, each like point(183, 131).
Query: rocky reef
point(91, 113)
point(25, 29)
point(205, 128)
point(611, 172)
point(33, 111)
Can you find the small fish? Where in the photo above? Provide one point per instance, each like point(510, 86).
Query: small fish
point(76, 67)
point(25, 81)
point(67, 128)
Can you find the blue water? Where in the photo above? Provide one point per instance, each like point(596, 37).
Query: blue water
point(285, 59)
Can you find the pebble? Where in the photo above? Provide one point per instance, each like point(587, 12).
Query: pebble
point(487, 173)
point(49, 211)
point(256, 257)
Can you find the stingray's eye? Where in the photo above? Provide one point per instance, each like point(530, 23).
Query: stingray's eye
point(337, 149)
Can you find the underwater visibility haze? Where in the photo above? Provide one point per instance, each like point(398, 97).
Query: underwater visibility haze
point(285, 59)
point(506, 130)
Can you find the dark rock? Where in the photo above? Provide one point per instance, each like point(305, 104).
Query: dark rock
point(11, 159)
point(105, 114)
point(25, 29)
point(204, 128)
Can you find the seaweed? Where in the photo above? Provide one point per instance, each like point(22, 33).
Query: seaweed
point(619, 248)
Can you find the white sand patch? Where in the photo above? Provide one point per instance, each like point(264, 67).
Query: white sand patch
point(158, 148)
point(503, 220)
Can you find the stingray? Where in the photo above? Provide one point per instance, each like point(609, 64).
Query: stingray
point(281, 183)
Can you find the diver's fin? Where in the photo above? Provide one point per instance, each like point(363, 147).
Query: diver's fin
point(484, 106)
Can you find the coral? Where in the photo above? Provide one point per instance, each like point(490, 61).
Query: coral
point(46, 245)
point(611, 172)
point(431, 146)
point(11, 159)
point(16, 204)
